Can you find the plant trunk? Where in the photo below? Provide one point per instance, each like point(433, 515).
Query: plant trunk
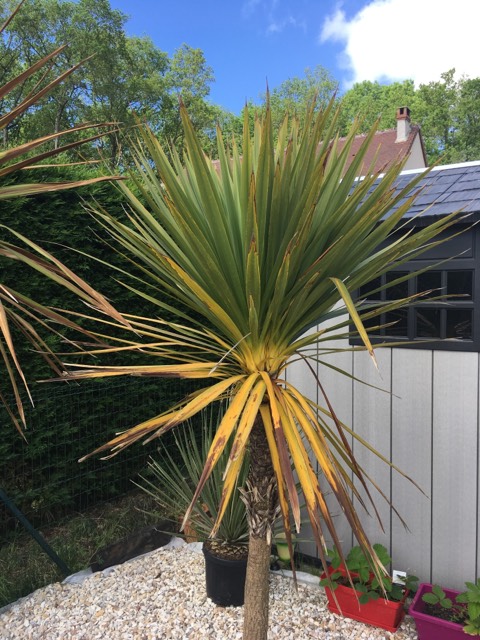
point(261, 499)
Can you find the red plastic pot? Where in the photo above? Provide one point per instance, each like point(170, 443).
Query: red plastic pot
point(385, 614)
point(429, 627)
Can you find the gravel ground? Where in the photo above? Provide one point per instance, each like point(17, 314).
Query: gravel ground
point(161, 596)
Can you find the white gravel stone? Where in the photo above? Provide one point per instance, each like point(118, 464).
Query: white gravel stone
point(161, 596)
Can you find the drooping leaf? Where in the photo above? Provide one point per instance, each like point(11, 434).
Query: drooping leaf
point(260, 257)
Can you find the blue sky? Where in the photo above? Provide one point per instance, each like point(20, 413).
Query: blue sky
point(248, 42)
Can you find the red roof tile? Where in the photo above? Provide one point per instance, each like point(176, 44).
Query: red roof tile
point(384, 143)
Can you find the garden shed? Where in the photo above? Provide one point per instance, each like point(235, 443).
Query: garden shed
point(425, 418)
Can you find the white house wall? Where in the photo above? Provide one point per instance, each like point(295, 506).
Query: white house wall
point(428, 425)
point(339, 391)
point(416, 159)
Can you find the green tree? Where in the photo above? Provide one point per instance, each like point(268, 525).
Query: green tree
point(294, 96)
point(12, 160)
point(132, 86)
point(370, 101)
point(251, 258)
point(122, 77)
point(467, 121)
point(445, 109)
point(435, 108)
point(79, 24)
point(189, 78)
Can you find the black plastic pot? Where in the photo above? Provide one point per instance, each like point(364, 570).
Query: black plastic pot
point(225, 579)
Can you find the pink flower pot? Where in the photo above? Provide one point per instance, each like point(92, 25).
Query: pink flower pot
point(429, 627)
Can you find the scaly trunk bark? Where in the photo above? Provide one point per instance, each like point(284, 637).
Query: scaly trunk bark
point(261, 499)
point(255, 623)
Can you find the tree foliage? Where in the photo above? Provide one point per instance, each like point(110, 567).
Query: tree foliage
point(13, 159)
point(130, 76)
point(434, 108)
point(370, 101)
point(294, 95)
point(446, 110)
point(468, 120)
point(123, 76)
point(251, 258)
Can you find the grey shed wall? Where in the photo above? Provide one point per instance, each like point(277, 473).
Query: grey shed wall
point(426, 422)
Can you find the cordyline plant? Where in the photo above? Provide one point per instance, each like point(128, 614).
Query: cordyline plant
point(173, 479)
point(259, 257)
point(15, 308)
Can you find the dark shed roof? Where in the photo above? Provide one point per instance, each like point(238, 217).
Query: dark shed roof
point(445, 189)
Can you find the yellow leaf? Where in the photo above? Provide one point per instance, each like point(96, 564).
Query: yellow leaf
point(342, 289)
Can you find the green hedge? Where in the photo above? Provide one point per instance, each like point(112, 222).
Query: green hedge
point(43, 476)
point(68, 421)
point(59, 223)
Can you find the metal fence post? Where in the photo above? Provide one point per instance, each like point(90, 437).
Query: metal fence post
point(36, 535)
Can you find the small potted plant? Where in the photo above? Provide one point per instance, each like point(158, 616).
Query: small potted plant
point(445, 614)
point(281, 545)
point(172, 484)
point(370, 601)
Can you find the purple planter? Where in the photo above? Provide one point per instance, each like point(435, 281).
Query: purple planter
point(429, 627)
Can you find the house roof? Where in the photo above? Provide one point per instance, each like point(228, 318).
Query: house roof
point(444, 189)
point(388, 149)
point(384, 142)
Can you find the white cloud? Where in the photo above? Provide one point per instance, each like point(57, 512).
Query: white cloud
point(273, 15)
point(277, 26)
point(249, 7)
point(391, 40)
point(335, 27)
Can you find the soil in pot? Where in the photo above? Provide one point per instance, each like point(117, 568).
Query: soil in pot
point(225, 572)
point(457, 614)
point(430, 626)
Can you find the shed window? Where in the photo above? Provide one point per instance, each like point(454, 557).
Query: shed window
point(452, 323)
point(425, 320)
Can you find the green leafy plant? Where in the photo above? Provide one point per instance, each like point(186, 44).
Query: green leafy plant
point(173, 480)
point(438, 598)
point(359, 568)
point(259, 256)
point(471, 598)
point(43, 477)
point(465, 609)
point(19, 158)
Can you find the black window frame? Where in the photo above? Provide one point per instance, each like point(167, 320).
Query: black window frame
point(458, 261)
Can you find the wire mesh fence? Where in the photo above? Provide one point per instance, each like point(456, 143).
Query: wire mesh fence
point(43, 476)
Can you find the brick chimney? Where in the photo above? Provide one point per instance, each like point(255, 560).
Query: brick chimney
point(403, 124)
